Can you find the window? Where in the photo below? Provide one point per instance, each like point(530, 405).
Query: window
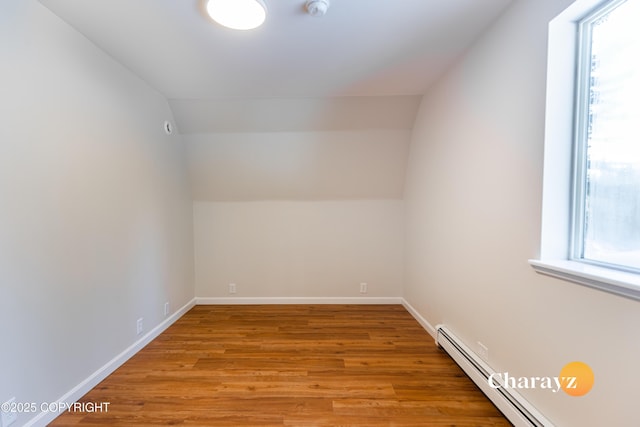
point(591, 189)
point(606, 214)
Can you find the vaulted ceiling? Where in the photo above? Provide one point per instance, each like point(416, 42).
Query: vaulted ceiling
point(363, 66)
point(359, 48)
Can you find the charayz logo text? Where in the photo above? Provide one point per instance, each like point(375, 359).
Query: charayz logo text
point(555, 384)
point(575, 379)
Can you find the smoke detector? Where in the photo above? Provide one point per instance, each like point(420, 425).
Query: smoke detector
point(317, 7)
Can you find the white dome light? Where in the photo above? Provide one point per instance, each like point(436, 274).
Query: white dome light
point(237, 14)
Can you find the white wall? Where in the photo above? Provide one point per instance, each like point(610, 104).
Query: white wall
point(473, 201)
point(298, 213)
point(355, 164)
point(326, 114)
point(299, 249)
point(95, 217)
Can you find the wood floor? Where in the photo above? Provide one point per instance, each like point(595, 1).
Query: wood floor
point(291, 365)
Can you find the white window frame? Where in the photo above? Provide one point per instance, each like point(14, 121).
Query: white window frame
point(560, 204)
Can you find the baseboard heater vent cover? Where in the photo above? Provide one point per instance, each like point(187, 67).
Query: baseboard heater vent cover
point(514, 407)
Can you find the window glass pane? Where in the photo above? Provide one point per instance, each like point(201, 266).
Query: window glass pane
point(612, 195)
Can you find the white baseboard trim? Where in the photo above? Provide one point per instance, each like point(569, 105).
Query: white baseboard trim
point(423, 322)
point(43, 418)
point(296, 300)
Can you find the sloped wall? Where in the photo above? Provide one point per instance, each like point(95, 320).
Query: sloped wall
point(298, 214)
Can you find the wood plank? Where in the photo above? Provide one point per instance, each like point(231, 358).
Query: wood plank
point(290, 365)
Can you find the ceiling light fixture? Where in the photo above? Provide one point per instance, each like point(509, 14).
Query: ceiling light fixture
point(237, 14)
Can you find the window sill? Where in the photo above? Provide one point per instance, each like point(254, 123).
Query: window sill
point(613, 281)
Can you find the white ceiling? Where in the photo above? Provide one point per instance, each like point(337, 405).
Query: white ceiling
point(385, 50)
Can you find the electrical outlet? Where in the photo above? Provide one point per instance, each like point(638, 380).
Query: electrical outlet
point(8, 417)
point(139, 326)
point(363, 288)
point(483, 352)
point(166, 309)
point(232, 288)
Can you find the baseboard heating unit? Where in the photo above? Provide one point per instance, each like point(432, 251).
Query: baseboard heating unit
point(514, 407)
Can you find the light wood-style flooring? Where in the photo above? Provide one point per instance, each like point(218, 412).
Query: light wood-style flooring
point(290, 365)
